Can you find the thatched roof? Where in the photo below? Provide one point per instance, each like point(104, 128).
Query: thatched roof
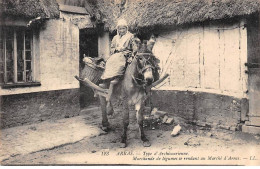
point(143, 14)
point(29, 8)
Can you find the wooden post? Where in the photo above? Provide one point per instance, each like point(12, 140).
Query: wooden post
point(243, 57)
point(24, 59)
point(104, 45)
point(15, 58)
point(32, 56)
point(5, 70)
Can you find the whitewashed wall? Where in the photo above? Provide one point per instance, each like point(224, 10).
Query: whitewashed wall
point(207, 58)
point(59, 55)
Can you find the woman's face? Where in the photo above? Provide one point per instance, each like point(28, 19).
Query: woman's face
point(122, 30)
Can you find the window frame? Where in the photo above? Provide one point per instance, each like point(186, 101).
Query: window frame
point(25, 82)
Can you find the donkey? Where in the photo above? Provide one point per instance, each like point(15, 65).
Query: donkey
point(132, 90)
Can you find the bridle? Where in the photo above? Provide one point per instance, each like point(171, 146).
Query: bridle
point(146, 65)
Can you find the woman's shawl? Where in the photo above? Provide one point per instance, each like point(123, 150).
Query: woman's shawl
point(123, 43)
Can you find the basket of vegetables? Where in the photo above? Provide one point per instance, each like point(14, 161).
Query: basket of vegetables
point(94, 67)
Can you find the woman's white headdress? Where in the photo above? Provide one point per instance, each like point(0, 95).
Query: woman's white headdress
point(121, 22)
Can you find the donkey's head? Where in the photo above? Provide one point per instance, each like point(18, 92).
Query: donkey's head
point(145, 60)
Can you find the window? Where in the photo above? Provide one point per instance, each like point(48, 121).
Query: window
point(16, 55)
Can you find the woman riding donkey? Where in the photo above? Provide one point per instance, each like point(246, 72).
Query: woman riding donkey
point(123, 48)
point(121, 51)
point(127, 83)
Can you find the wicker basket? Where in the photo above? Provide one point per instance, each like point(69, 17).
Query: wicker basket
point(92, 72)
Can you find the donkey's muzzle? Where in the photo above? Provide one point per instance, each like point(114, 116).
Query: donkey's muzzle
point(148, 81)
point(148, 76)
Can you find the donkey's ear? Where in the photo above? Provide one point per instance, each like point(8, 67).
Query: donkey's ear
point(136, 44)
point(152, 37)
point(136, 41)
point(151, 43)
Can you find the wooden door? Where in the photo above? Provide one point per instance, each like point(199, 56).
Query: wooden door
point(254, 93)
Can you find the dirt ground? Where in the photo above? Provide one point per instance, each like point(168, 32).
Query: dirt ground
point(193, 146)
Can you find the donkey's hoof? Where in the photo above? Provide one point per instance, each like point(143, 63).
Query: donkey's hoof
point(110, 110)
point(146, 144)
point(122, 145)
point(105, 129)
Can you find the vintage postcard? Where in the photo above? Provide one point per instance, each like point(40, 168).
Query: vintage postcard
point(130, 82)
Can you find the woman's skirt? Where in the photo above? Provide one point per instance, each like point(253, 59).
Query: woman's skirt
point(115, 66)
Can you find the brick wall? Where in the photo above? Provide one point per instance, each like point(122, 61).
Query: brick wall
point(201, 108)
point(20, 109)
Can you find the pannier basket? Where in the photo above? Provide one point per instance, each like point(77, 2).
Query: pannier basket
point(92, 72)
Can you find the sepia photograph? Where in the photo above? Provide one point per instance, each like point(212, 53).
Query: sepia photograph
point(130, 82)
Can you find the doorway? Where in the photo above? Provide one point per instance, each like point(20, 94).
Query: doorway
point(88, 46)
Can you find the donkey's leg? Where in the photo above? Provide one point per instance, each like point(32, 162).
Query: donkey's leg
point(103, 103)
point(139, 115)
point(110, 110)
point(125, 123)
